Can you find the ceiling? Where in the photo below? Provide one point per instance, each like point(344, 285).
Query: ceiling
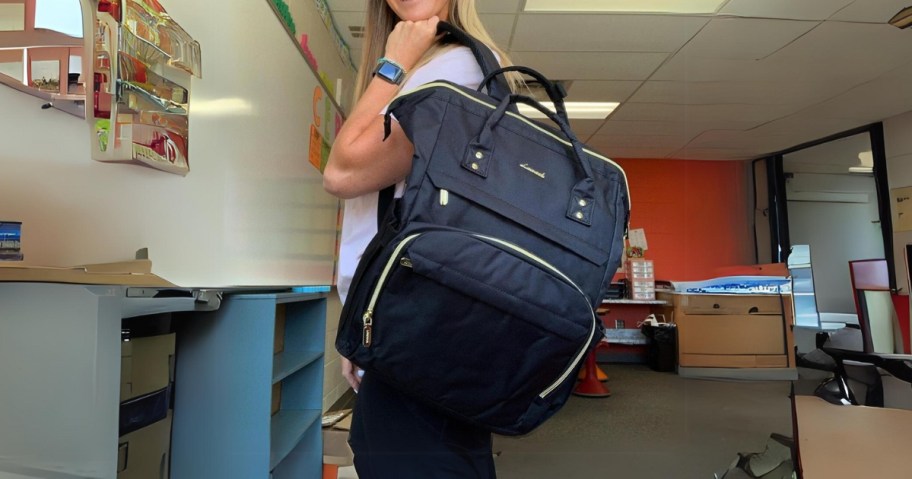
point(755, 77)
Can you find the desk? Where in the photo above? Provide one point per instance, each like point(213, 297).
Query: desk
point(836, 442)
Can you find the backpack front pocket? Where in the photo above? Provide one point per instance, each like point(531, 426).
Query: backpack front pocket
point(478, 309)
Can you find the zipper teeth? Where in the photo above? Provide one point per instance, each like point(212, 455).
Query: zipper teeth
point(582, 352)
point(533, 125)
point(387, 268)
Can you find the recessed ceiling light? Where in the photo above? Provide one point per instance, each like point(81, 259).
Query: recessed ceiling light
point(861, 170)
point(576, 110)
point(626, 6)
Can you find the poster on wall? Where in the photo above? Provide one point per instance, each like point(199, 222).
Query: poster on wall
point(142, 62)
point(902, 208)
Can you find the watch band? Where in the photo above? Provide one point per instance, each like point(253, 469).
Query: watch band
point(390, 71)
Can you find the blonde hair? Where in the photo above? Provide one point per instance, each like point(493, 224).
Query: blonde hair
point(381, 19)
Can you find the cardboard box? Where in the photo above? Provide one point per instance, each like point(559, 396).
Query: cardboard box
point(145, 453)
point(730, 334)
point(146, 365)
point(335, 443)
point(732, 331)
point(732, 361)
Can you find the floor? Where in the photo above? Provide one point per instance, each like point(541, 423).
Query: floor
point(655, 425)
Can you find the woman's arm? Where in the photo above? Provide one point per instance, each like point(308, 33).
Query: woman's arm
point(361, 161)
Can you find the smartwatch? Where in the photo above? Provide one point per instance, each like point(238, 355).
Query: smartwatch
point(389, 71)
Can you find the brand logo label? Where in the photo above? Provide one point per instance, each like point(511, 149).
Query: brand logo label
point(535, 172)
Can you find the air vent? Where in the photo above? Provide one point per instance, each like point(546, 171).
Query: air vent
point(356, 31)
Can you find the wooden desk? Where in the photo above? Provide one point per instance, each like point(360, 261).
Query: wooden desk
point(836, 442)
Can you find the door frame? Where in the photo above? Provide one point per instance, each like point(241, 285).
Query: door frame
point(778, 209)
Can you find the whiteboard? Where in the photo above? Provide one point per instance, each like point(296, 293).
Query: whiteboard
point(252, 210)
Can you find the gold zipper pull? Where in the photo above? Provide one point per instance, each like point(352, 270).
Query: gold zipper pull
point(368, 319)
point(405, 261)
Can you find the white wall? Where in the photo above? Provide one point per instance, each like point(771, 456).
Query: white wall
point(837, 232)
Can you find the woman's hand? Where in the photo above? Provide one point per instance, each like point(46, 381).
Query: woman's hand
point(408, 41)
point(350, 373)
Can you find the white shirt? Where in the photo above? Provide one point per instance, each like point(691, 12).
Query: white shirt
point(359, 223)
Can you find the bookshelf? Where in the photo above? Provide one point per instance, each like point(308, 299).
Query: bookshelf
point(231, 364)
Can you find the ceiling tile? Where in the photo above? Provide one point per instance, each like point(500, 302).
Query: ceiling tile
point(604, 33)
point(796, 93)
point(805, 127)
point(737, 113)
point(588, 90)
point(500, 27)
point(744, 39)
point(640, 141)
point(687, 153)
point(874, 11)
point(591, 65)
point(583, 129)
point(785, 9)
point(741, 139)
point(612, 151)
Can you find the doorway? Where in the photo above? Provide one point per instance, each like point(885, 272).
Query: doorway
point(830, 195)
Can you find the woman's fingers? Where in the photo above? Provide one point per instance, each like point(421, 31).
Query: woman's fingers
point(350, 373)
point(410, 40)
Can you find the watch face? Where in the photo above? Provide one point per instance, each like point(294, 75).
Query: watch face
point(390, 72)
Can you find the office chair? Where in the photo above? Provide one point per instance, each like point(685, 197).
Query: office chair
point(867, 379)
point(877, 318)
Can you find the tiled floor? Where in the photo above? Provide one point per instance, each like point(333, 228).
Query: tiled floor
point(655, 425)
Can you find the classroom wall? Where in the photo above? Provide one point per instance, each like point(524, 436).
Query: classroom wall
point(252, 210)
point(696, 214)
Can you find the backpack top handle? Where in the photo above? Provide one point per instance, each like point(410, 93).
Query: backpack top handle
point(499, 89)
point(554, 90)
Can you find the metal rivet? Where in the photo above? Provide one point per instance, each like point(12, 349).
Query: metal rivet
point(582, 202)
point(479, 155)
point(474, 166)
point(579, 215)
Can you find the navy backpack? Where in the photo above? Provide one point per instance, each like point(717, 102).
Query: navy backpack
point(478, 293)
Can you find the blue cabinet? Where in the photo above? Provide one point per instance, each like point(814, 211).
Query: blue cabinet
point(229, 362)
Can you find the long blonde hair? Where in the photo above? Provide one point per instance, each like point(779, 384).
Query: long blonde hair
point(381, 19)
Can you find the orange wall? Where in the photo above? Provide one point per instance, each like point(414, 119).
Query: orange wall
point(695, 214)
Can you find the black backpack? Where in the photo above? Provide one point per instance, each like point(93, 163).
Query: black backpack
point(478, 293)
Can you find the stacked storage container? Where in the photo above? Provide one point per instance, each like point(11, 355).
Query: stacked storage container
point(641, 278)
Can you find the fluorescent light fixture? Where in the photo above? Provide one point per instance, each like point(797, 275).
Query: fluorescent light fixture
point(625, 6)
point(903, 19)
point(576, 110)
point(861, 170)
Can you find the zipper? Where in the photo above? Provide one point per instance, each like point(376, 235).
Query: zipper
point(544, 263)
point(444, 197)
point(368, 317)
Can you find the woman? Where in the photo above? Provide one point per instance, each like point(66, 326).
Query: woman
point(392, 435)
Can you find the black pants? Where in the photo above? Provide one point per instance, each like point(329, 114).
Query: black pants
point(395, 437)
